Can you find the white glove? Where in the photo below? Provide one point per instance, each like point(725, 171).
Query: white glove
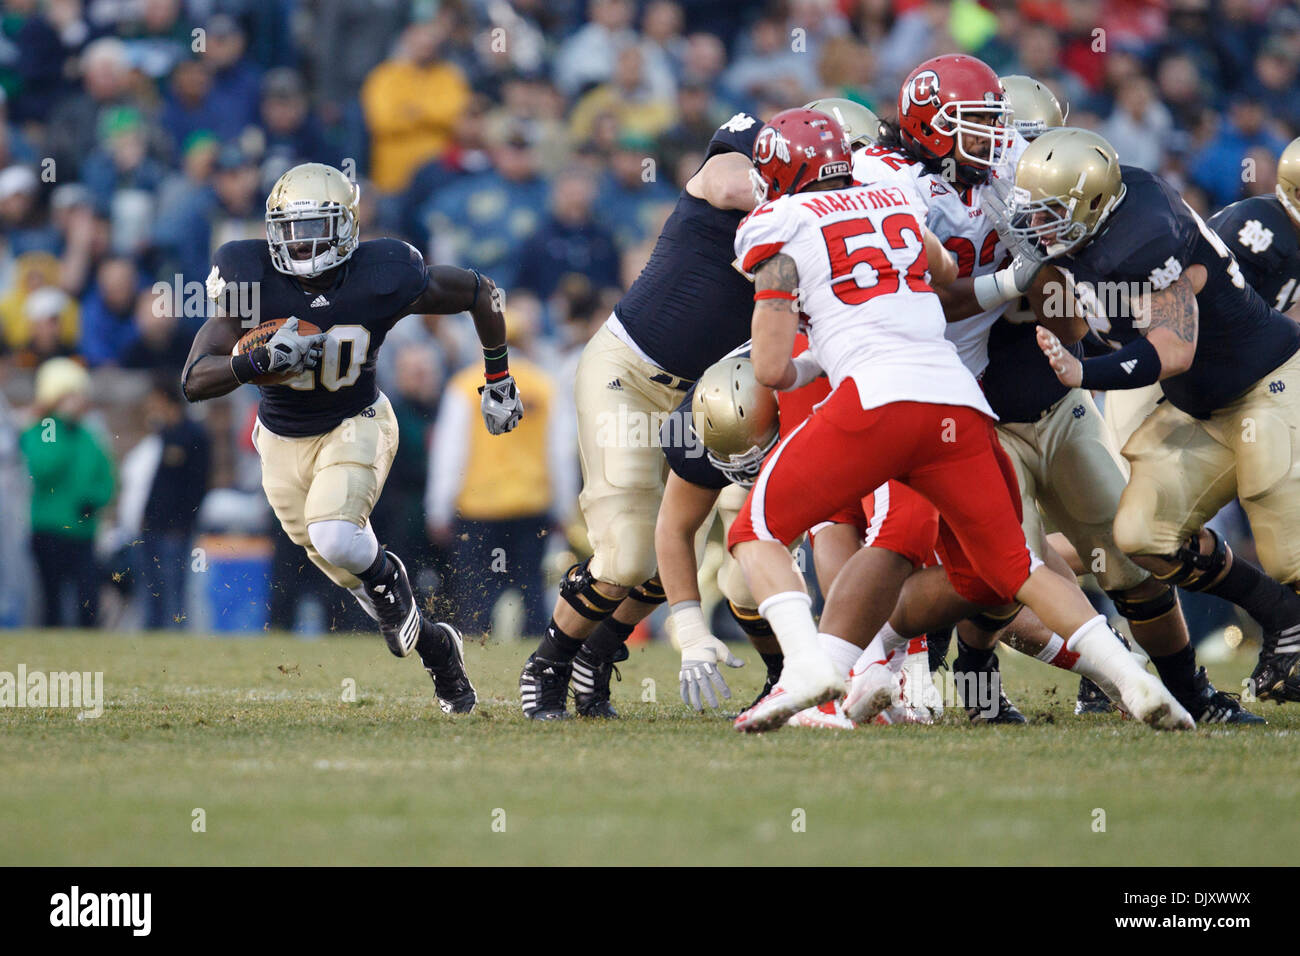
point(502, 407)
point(291, 352)
point(700, 678)
point(806, 369)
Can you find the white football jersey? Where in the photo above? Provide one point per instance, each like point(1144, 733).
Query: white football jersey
point(955, 215)
point(865, 290)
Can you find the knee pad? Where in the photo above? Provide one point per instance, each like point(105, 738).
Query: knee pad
point(1196, 570)
point(1142, 610)
point(625, 550)
point(994, 620)
point(580, 591)
point(649, 592)
point(343, 544)
point(750, 621)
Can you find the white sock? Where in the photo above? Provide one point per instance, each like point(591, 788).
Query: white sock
point(842, 653)
point(790, 614)
point(888, 646)
point(1102, 659)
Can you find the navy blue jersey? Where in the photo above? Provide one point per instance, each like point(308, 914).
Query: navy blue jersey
point(1152, 237)
point(372, 291)
point(1265, 241)
point(684, 450)
point(689, 306)
point(1018, 382)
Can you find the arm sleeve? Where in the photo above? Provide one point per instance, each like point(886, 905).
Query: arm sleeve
point(764, 233)
point(447, 455)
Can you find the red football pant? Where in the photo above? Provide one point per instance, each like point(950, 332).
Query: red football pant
point(947, 453)
point(894, 518)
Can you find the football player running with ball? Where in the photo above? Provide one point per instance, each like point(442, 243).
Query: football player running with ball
point(325, 433)
point(1178, 311)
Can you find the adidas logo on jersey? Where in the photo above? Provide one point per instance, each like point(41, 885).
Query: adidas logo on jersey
point(615, 385)
point(320, 302)
point(1128, 366)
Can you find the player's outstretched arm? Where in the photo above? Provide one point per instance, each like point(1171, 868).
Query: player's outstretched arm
point(724, 182)
point(776, 321)
point(452, 290)
point(211, 370)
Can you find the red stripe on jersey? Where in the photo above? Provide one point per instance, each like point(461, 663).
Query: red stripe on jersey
point(759, 254)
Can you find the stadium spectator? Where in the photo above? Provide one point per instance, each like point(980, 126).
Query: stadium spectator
point(72, 480)
point(160, 343)
point(634, 102)
point(631, 190)
point(108, 312)
point(293, 134)
point(490, 500)
point(568, 241)
point(164, 479)
point(412, 102)
point(587, 58)
point(1139, 126)
point(1218, 167)
point(33, 273)
point(74, 124)
point(235, 77)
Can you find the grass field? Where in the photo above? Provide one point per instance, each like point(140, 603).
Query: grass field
point(255, 733)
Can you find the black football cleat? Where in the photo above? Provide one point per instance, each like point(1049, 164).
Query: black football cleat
point(591, 683)
point(984, 681)
point(1210, 706)
point(1277, 675)
point(1092, 699)
point(544, 689)
point(399, 618)
point(445, 663)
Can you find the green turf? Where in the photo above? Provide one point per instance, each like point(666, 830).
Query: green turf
point(255, 733)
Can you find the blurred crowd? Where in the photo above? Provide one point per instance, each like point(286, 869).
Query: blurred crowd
point(542, 142)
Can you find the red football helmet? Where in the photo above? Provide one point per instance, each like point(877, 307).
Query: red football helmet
point(797, 148)
point(948, 101)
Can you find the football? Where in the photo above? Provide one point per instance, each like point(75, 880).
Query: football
point(260, 335)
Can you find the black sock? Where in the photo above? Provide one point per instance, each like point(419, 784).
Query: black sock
point(557, 646)
point(972, 658)
point(380, 567)
point(1275, 606)
point(1178, 671)
point(431, 644)
point(774, 663)
point(937, 644)
point(609, 636)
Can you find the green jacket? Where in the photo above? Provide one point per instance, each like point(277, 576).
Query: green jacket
point(72, 477)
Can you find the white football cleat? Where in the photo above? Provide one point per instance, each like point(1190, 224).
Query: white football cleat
point(805, 682)
point(919, 690)
point(871, 692)
point(904, 713)
point(1147, 699)
point(827, 716)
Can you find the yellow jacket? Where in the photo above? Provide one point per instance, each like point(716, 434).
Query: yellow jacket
point(485, 477)
point(411, 111)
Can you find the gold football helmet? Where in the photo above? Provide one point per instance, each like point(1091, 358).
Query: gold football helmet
point(1068, 182)
point(1035, 107)
point(1288, 180)
point(311, 220)
point(860, 125)
point(735, 418)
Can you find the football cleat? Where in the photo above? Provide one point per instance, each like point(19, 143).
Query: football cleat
point(451, 684)
point(544, 689)
point(1218, 707)
point(827, 716)
point(1092, 699)
point(1147, 699)
point(399, 618)
point(806, 681)
point(984, 709)
point(918, 688)
point(591, 682)
point(873, 691)
point(1277, 675)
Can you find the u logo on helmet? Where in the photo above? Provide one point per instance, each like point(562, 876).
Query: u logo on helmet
point(922, 91)
point(771, 144)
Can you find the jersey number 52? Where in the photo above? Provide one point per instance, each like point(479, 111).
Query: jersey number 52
point(847, 288)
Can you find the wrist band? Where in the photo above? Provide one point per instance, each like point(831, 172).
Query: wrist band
point(1135, 365)
point(496, 363)
point(994, 289)
point(775, 294)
